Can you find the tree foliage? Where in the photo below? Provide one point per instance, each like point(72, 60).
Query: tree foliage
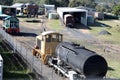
point(26, 1)
point(63, 3)
point(6, 2)
point(107, 1)
point(74, 3)
point(58, 3)
point(103, 8)
point(116, 10)
point(87, 3)
point(106, 7)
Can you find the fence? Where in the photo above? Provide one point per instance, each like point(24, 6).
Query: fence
point(25, 51)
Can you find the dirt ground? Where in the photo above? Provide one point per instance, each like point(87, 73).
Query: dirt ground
point(109, 51)
point(84, 31)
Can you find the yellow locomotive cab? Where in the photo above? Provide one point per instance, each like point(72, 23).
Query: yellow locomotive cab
point(46, 44)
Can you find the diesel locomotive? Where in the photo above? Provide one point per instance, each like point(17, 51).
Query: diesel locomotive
point(11, 24)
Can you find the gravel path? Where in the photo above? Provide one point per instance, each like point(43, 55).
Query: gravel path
point(76, 34)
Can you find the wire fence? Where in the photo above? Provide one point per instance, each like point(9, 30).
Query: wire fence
point(24, 50)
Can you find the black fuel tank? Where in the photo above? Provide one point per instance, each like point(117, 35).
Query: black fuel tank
point(82, 60)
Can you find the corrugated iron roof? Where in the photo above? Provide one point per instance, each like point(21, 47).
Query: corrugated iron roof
point(69, 9)
point(49, 32)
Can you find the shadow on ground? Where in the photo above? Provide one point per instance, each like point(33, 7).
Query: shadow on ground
point(25, 34)
point(98, 24)
point(79, 26)
point(111, 69)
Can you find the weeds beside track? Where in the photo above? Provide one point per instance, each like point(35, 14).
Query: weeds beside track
point(14, 66)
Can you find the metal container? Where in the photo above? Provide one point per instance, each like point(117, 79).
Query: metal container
point(82, 60)
point(53, 16)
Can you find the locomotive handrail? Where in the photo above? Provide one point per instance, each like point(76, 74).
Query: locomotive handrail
point(70, 49)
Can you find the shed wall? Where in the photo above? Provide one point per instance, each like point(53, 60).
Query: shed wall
point(77, 13)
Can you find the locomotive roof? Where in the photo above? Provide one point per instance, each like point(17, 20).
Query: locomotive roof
point(67, 15)
point(49, 32)
point(12, 18)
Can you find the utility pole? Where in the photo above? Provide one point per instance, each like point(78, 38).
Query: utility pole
point(43, 24)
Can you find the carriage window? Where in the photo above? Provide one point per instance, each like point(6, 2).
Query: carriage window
point(48, 38)
point(39, 43)
point(43, 38)
point(60, 38)
point(13, 24)
point(54, 38)
point(7, 22)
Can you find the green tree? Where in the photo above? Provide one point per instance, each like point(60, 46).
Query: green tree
point(87, 3)
point(116, 10)
point(21, 1)
point(57, 3)
point(50, 1)
point(62, 3)
point(102, 8)
point(6, 2)
point(74, 3)
point(26, 1)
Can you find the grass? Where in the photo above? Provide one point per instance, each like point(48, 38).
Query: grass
point(110, 26)
point(111, 58)
point(114, 71)
point(14, 67)
point(55, 25)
